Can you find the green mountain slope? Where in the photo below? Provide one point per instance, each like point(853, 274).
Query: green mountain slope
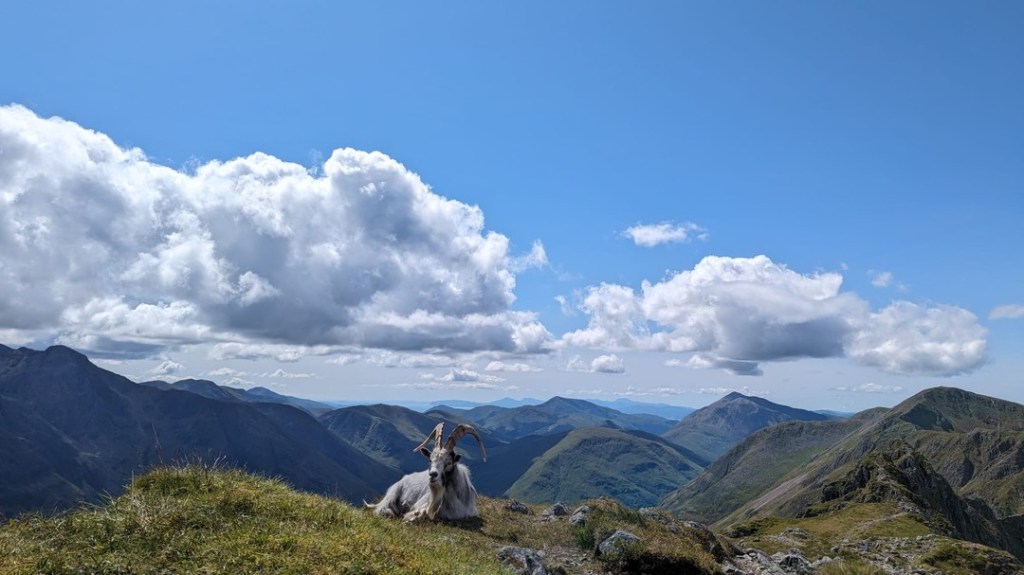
point(964, 476)
point(710, 431)
point(758, 462)
point(632, 467)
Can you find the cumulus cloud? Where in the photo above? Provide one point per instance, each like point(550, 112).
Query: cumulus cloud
point(167, 367)
point(734, 313)
point(607, 364)
point(108, 250)
point(462, 376)
point(911, 339)
point(650, 235)
point(1009, 311)
point(600, 364)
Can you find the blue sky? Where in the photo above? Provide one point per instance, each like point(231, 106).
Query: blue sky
point(870, 151)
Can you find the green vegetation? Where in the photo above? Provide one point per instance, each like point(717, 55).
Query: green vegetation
point(662, 551)
point(962, 558)
point(815, 536)
point(635, 468)
point(196, 519)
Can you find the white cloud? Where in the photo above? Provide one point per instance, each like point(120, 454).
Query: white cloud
point(650, 235)
point(910, 339)
point(737, 312)
point(405, 360)
point(537, 258)
point(167, 367)
point(607, 364)
point(880, 279)
point(733, 366)
point(462, 376)
point(282, 374)
point(871, 388)
point(114, 253)
point(600, 364)
point(1010, 311)
point(511, 367)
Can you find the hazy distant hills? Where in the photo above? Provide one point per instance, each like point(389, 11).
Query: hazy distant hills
point(556, 415)
point(711, 431)
point(72, 432)
point(634, 467)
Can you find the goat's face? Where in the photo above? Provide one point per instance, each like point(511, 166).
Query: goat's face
point(442, 465)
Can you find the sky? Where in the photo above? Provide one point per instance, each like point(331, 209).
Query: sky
point(816, 202)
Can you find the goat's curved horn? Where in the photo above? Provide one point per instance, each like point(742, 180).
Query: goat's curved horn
point(436, 432)
point(459, 432)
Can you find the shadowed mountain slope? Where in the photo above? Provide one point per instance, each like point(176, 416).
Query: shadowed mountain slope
point(73, 431)
point(712, 430)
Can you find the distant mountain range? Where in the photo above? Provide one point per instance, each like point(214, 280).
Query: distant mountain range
point(947, 460)
point(556, 415)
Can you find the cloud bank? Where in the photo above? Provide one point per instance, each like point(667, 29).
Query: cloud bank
point(733, 313)
point(115, 254)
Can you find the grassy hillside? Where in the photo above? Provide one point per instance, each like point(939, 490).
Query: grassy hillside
point(757, 463)
point(632, 467)
point(198, 520)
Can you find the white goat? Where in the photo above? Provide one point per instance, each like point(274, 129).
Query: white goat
point(443, 491)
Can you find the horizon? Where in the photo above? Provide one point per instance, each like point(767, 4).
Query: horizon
point(818, 205)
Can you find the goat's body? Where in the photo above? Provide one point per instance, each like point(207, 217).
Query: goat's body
point(414, 496)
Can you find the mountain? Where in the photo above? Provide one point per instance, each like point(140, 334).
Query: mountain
point(958, 456)
point(72, 431)
point(626, 405)
point(633, 467)
point(387, 433)
point(712, 430)
point(556, 415)
point(758, 462)
point(211, 390)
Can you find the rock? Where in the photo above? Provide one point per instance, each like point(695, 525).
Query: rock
point(556, 510)
point(521, 560)
point(616, 542)
point(795, 563)
point(579, 517)
point(517, 507)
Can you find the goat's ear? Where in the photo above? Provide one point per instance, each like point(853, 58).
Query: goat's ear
point(425, 452)
point(457, 458)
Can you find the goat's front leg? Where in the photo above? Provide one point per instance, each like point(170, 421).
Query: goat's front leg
point(416, 515)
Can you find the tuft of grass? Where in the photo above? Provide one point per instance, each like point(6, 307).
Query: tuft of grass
point(962, 558)
point(196, 519)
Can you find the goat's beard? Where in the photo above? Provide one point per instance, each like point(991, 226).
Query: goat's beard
point(436, 499)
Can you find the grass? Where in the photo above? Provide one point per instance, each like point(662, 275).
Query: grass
point(195, 519)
